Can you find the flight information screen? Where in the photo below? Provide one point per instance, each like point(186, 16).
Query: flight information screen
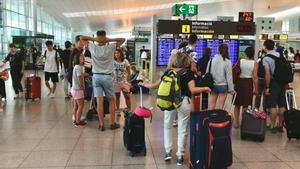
point(214, 44)
point(233, 50)
point(199, 48)
point(165, 47)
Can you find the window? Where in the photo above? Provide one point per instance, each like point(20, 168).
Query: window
point(8, 18)
point(14, 19)
point(22, 22)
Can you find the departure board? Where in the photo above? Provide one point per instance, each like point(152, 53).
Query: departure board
point(243, 44)
point(178, 41)
point(199, 48)
point(165, 47)
point(233, 50)
point(214, 44)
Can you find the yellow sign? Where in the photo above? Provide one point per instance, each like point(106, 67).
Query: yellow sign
point(283, 37)
point(186, 28)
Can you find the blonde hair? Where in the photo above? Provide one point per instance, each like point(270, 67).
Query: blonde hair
point(180, 60)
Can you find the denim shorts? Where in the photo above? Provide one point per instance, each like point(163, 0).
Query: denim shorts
point(220, 89)
point(103, 83)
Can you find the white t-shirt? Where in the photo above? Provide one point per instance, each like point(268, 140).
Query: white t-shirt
point(50, 62)
point(77, 71)
point(103, 57)
point(121, 73)
point(247, 67)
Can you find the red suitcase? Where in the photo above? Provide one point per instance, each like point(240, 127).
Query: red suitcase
point(32, 87)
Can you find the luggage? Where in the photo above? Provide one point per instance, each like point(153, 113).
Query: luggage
point(32, 87)
point(142, 111)
point(136, 89)
point(253, 127)
point(92, 113)
point(201, 102)
point(134, 134)
point(210, 140)
point(88, 88)
point(292, 116)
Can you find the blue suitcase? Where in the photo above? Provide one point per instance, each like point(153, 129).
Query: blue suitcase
point(210, 142)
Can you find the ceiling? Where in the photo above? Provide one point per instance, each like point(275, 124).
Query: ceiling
point(122, 15)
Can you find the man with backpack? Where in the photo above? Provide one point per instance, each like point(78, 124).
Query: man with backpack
point(51, 67)
point(278, 74)
point(190, 50)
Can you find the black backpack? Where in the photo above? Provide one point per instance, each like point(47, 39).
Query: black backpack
point(283, 73)
point(261, 69)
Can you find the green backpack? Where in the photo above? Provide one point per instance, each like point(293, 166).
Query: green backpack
point(169, 93)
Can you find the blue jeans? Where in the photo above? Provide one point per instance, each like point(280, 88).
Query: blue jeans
point(220, 89)
point(103, 83)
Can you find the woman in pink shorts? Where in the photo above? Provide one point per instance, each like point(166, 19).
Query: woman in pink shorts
point(122, 78)
point(77, 90)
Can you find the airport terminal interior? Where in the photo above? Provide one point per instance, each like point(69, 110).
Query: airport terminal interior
point(155, 59)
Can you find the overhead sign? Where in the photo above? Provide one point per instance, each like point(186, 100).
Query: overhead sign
point(246, 16)
point(263, 37)
point(185, 9)
point(205, 27)
point(281, 37)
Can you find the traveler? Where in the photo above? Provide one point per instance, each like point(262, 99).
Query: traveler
point(190, 49)
point(221, 70)
point(274, 91)
point(17, 66)
point(65, 58)
point(33, 52)
point(180, 61)
point(122, 78)
point(244, 85)
point(51, 67)
point(78, 89)
point(2, 90)
point(291, 54)
point(103, 67)
point(203, 62)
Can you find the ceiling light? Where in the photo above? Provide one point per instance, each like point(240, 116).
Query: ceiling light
point(134, 10)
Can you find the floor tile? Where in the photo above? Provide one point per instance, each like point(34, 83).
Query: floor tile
point(66, 133)
point(135, 167)
point(94, 144)
point(56, 144)
point(268, 165)
point(238, 166)
point(294, 165)
point(47, 159)
point(251, 154)
point(18, 145)
point(122, 157)
point(90, 167)
point(92, 157)
point(12, 159)
point(171, 166)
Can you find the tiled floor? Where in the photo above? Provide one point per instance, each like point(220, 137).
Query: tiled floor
point(40, 135)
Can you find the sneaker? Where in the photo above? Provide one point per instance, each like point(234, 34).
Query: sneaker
point(168, 156)
point(16, 96)
point(81, 123)
point(101, 128)
point(175, 124)
point(52, 95)
point(49, 94)
point(3, 99)
point(114, 126)
point(180, 161)
point(67, 98)
point(279, 129)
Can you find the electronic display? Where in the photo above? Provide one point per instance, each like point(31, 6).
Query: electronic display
point(214, 44)
point(243, 44)
point(246, 16)
point(199, 48)
point(233, 50)
point(165, 47)
point(177, 42)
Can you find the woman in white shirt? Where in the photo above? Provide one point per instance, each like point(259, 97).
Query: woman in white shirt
point(244, 85)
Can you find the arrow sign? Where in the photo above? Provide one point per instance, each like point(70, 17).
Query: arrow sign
point(185, 9)
point(181, 9)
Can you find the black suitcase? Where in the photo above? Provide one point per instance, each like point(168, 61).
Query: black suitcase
point(252, 127)
point(210, 140)
point(292, 116)
point(92, 112)
point(134, 134)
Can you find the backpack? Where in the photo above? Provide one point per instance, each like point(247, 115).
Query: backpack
point(56, 59)
point(261, 69)
point(169, 94)
point(283, 73)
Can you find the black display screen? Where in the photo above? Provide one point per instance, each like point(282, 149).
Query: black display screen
point(165, 47)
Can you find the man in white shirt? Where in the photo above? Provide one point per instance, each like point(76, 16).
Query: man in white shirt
point(103, 67)
point(51, 67)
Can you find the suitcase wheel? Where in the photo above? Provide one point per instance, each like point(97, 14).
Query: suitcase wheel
point(131, 154)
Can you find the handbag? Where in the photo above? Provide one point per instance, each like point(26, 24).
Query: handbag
point(236, 71)
point(207, 79)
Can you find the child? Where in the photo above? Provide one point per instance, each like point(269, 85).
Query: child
point(122, 79)
point(78, 89)
point(187, 85)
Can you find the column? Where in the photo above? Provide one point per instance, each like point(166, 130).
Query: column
point(153, 47)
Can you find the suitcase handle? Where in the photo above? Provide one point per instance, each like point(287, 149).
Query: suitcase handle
point(294, 99)
point(232, 102)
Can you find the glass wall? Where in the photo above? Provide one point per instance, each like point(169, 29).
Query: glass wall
point(18, 20)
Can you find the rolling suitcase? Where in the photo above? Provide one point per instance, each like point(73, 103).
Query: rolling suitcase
point(201, 102)
point(32, 87)
point(254, 125)
point(210, 141)
point(134, 134)
point(292, 116)
point(92, 113)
